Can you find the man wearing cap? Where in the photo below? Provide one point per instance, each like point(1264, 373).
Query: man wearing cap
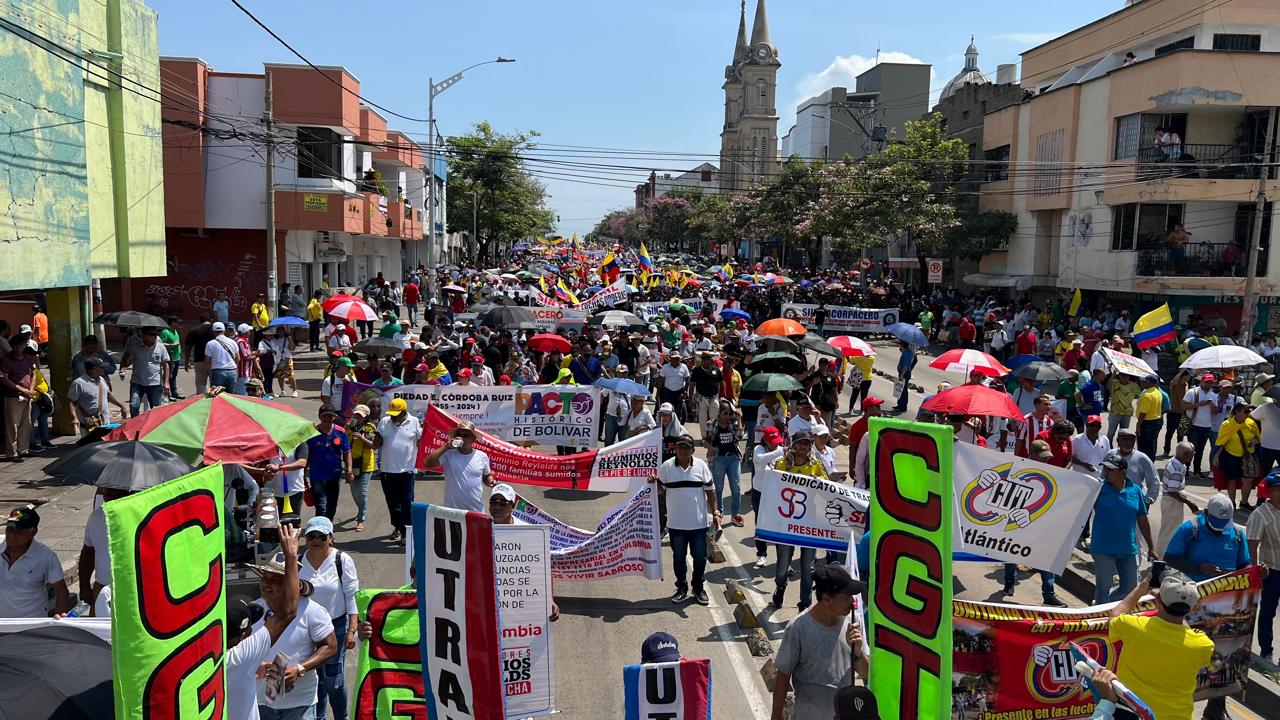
point(248, 648)
point(1089, 448)
point(765, 456)
point(364, 459)
point(673, 377)
point(328, 462)
point(308, 641)
point(1209, 544)
point(805, 417)
point(821, 649)
point(466, 469)
point(397, 439)
point(1163, 656)
point(246, 339)
point(1119, 513)
point(1140, 469)
point(502, 505)
point(386, 377)
point(1262, 382)
point(220, 356)
point(150, 378)
point(798, 459)
point(690, 493)
point(1198, 404)
point(1150, 414)
point(331, 387)
point(29, 570)
point(1263, 535)
point(707, 379)
point(88, 398)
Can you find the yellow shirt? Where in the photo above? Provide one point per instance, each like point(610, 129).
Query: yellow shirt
point(1061, 349)
point(315, 310)
point(865, 365)
point(364, 458)
point(261, 318)
point(813, 468)
point(1159, 662)
point(39, 383)
point(1150, 404)
point(1231, 431)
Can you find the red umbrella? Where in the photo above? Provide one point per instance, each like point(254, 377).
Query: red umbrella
point(546, 342)
point(976, 400)
point(851, 346)
point(967, 361)
point(337, 300)
point(353, 309)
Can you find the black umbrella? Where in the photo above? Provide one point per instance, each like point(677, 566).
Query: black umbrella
point(482, 307)
point(775, 343)
point(126, 464)
point(777, 362)
point(1041, 371)
point(512, 316)
point(130, 318)
point(379, 346)
point(818, 344)
point(59, 672)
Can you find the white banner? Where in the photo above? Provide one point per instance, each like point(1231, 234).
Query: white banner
point(809, 512)
point(648, 310)
point(550, 319)
point(520, 557)
point(567, 415)
point(537, 297)
point(1016, 510)
point(491, 408)
point(841, 319)
point(95, 625)
point(627, 541)
point(608, 297)
point(1127, 364)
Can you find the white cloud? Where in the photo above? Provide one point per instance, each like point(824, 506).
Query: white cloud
point(1028, 38)
point(843, 72)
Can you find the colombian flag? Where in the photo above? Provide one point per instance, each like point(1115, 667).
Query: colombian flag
point(609, 268)
point(564, 295)
point(726, 273)
point(1154, 328)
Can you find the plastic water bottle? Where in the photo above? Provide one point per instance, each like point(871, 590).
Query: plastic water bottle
point(80, 610)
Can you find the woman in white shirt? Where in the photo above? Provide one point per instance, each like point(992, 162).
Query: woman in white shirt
point(822, 448)
point(332, 574)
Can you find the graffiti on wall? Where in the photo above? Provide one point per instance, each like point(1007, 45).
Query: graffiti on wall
point(193, 286)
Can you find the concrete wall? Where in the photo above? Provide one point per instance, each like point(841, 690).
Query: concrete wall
point(235, 194)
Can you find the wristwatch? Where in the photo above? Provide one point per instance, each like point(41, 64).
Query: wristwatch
point(302, 670)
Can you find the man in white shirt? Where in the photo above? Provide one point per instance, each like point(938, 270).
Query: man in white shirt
point(249, 649)
point(1089, 448)
point(804, 419)
point(764, 456)
point(331, 388)
point(674, 376)
point(1197, 404)
point(687, 484)
point(94, 568)
point(220, 355)
point(397, 443)
point(29, 570)
point(466, 469)
point(480, 373)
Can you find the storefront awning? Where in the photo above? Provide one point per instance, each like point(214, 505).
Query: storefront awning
point(1016, 282)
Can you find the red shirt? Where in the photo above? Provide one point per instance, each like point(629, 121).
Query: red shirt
point(1061, 450)
point(1025, 343)
point(856, 431)
point(1071, 358)
point(411, 294)
point(967, 330)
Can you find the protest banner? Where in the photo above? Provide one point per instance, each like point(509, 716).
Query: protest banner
point(841, 319)
point(520, 555)
point(556, 415)
point(1013, 661)
point(550, 319)
point(1126, 364)
point(544, 300)
point(649, 310)
point(608, 297)
point(911, 585)
point(389, 673)
point(612, 469)
point(809, 512)
point(667, 691)
point(417, 397)
point(168, 601)
point(457, 613)
point(1016, 510)
point(490, 408)
point(628, 540)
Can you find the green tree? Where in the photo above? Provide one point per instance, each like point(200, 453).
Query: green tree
point(667, 219)
point(511, 203)
point(782, 206)
point(709, 223)
point(976, 236)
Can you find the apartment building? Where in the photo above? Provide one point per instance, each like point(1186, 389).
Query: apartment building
point(349, 192)
point(1102, 198)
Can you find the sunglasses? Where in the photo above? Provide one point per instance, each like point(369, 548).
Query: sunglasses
point(316, 536)
point(499, 501)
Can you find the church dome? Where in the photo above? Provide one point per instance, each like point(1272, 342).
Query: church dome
point(970, 75)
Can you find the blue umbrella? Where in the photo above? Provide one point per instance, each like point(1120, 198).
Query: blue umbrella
point(1018, 361)
point(624, 386)
point(908, 334)
point(553, 268)
point(805, 283)
point(735, 314)
point(287, 321)
point(594, 289)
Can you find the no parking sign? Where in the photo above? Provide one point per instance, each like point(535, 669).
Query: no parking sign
point(935, 271)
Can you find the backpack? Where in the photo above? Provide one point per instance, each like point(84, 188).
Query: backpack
point(1195, 531)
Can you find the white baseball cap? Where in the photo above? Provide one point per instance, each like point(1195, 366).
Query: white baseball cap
point(504, 490)
point(219, 327)
point(1219, 512)
point(244, 328)
point(1177, 589)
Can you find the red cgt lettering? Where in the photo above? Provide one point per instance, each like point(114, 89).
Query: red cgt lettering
point(164, 615)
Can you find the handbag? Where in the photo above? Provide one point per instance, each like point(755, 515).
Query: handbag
point(898, 387)
point(1249, 466)
point(1184, 425)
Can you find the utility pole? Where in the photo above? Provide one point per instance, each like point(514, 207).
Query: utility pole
point(475, 226)
point(1248, 314)
point(273, 287)
point(432, 252)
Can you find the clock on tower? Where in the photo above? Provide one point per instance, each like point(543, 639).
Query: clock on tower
point(764, 52)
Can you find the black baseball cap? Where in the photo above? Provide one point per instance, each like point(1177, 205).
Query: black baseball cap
point(241, 616)
point(834, 579)
point(23, 518)
point(660, 647)
point(856, 703)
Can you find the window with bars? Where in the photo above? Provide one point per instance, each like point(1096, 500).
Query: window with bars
point(1186, 43)
point(997, 164)
point(1128, 136)
point(1048, 173)
point(1237, 42)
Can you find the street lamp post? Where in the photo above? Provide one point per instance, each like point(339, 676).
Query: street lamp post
point(434, 89)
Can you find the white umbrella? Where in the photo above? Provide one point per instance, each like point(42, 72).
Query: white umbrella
point(1222, 356)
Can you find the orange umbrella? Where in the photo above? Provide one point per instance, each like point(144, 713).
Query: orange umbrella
point(781, 326)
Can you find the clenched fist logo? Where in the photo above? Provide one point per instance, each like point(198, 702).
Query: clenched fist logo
point(1020, 517)
point(841, 513)
point(1041, 655)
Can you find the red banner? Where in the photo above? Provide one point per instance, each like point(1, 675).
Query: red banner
point(613, 469)
point(1013, 659)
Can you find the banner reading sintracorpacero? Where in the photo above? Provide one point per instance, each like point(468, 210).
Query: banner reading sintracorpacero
point(524, 599)
point(911, 579)
point(612, 469)
point(627, 541)
point(550, 319)
point(1013, 661)
point(651, 310)
point(457, 613)
point(809, 512)
point(389, 675)
point(168, 598)
point(674, 691)
point(1019, 511)
point(841, 319)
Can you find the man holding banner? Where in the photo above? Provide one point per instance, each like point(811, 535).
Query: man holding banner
point(821, 649)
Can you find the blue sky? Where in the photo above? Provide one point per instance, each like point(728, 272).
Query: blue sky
point(620, 75)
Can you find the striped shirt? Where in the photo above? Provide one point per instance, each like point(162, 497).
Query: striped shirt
point(1264, 526)
point(1030, 428)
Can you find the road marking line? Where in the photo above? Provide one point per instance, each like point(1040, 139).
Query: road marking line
point(743, 664)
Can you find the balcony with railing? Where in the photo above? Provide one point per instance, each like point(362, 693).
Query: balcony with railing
point(1239, 161)
point(1199, 259)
